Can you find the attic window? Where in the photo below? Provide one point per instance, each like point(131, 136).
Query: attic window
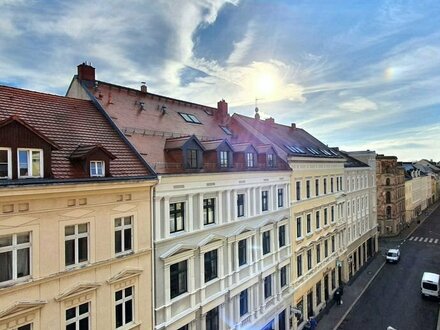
point(208, 112)
point(333, 152)
point(325, 152)
point(226, 130)
point(30, 163)
point(5, 163)
point(295, 150)
point(313, 150)
point(97, 168)
point(189, 118)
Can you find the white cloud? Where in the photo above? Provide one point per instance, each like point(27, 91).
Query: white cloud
point(358, 104)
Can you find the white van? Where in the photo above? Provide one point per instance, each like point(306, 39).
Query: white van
point(430, 284)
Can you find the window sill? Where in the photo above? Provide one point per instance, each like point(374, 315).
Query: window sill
point(11, 283)
point(300, 239)
point(77, 266)
point(129, 326)
point(123, 254)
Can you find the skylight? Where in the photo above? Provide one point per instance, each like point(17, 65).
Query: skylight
point(313, 150)
point(226, 130)
point(189, 118)
point(325, 152)
point(295, 149)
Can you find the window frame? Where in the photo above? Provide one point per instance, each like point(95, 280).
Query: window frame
point(299, 268)
point(13, 248)
point(192, 158)
point(243, 302)
point(95, 163)
point(174, 217)
point(242, 262)
point(266, 242)
point(270, 160)
point(280, 194)
point(29, 163)
point(282, 236)
point(123, 301)
point(317, 220)
point(309, 259)
point(316, 187)
point(299, 226)
point(76, 236)
point(224, 158)
point(208, 208)
point(298, 190)
point(267, 287)
point(212, 262)
point(122, 229)
point(250, 159)
point(8, 163)
point(212, 319)
point(78, 317)
point(308, 190)
point(190, 118)
point(241, 197)
point(264, 200)
point(308, 223)
point(283, 276)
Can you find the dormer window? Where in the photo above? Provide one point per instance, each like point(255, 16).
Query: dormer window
point(250, 159)
point(192, 158)
point(97, 168)
point(270, 160)
point(30, 163)
point(5, 163)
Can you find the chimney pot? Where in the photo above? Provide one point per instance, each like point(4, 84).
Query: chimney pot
point(143, 87)
point(293, 125)
point(270, 120)
point(86, 71)
point(222, 110)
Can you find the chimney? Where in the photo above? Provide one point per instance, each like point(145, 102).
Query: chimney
point(222, 110)
point(293, 126)
point(86, 71)
point(269, 121)
point(144, 87)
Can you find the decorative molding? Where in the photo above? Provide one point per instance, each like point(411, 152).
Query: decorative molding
point(125, 274)
point(76, 290)
point(77, 213)
point(21, 307)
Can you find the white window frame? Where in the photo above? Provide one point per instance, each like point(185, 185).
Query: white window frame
point(122, 229)
point(122, 301)
point(76, 236)
point(79, 317)
point(29, 162)
point(94, 164)
point(9, 162)
point(14, 247)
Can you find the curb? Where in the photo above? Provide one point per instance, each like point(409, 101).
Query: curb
point(359, 297)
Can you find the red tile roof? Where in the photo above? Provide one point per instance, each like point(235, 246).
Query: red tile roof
point(70, 123)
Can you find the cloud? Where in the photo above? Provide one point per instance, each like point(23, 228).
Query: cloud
point(358, 104)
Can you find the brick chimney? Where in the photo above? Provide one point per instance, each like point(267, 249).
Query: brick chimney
point(269, 121)
point(222, 110)
point(144, 87)
point(86, 71)
point(292, 125)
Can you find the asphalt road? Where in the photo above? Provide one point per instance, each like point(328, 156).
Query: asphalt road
point(394, 298)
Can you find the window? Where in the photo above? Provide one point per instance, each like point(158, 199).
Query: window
point(123, 235)
point(332, 214)
point(212, 319)
point(192, 158)
point(326, 248)
point(185, 327)
point(210, 265)
point(270, 160)
point(242, 252)
point(224, 158)
point(267, 286)
point(388, 181)
point(178, 278)
point(189, 118)
point(333, 244)
point(76, 243)
point(78, 318)
point(283, 276)
point(317, 187)
point(298, 227)
point(280, 197)
point(299, 265)
point(5, 163)
point(264, 200)
point(318, 293)
point(97, 168)
point(226, 130)
point(331, 185)
point(250, 159)
point(30, 163)
point(309, 224)
point(15, 253)
point(25, 327)
point(388, 197)
point(177, 217)
point(282, 235)
point(282, 320)
point(266, 242)
point(124, 308)
point(244, 307)
point(388, 212)
point(318, 253)
point(208, 211)
point(298, 191)
point(308, 188)
point(317, 220)
point(325, 186)
point(240, 205)
point(309, 259)
point(325, 217)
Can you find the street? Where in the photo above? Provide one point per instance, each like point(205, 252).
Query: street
point(394, 297)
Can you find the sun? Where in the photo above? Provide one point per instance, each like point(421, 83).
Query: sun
point(265, 84)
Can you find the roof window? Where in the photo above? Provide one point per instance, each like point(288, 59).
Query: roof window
point(295, 149)
point(313, 150)
point(226, 130)
point(189, 118)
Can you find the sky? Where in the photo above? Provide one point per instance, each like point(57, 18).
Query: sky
point(355, 74)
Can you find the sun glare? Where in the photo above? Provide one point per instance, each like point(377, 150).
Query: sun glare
point(265, 85)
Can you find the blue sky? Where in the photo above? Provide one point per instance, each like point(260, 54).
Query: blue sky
point(355, 74)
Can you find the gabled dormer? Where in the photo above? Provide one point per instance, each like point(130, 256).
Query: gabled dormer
point(93, 159)
point(24, 151)
point(219, 153)
point(245, 155)
point(267, 156)
point(188, 151)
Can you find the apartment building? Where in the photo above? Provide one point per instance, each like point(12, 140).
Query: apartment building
point(390, 182)
point(75, 218)
point(316, 211)
point(221, 210)
point(360, 234)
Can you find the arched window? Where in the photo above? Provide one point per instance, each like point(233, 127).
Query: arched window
point(388, 197)
point(388, 182)
point(388, 212)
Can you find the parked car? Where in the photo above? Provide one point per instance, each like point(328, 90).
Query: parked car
point(430, 284)
point(393, 255)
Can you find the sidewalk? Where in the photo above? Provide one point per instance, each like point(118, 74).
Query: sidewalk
point(333, 316)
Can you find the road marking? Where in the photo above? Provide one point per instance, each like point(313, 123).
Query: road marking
point(436, 240)
point(411, 238)
point(426, 240)
point(430, 240)
point(416, 239)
